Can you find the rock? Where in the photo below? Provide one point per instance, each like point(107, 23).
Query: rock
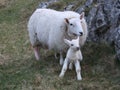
point(43, 5)
point(89, 3)
point(103, 18)
point(69, 7)
point(117, 42)
point(80, 9)
point(46, 4)
point(91, 20)
point(100, 19)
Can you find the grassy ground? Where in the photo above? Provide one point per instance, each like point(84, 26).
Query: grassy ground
point(20, 71)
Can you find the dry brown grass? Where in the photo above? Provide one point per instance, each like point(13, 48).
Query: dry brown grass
point(2, 2)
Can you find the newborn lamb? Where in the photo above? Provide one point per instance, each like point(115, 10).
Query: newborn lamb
point(73, 56)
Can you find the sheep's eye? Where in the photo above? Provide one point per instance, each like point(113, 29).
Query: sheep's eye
point(71, 24)
point(71, 44)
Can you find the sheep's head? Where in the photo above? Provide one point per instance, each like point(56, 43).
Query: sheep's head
point(74, 25)
point(73, 44)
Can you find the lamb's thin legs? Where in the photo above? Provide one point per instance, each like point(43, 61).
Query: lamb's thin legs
point(64, 68)
point(78, 70)
point(61, 59)
point(36, 52)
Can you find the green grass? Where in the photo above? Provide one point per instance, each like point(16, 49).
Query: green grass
point(20, 71)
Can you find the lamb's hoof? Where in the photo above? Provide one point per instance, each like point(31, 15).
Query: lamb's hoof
point(79, 78)
point(61, 76)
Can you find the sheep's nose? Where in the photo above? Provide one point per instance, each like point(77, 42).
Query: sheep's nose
point(81, 33)
point(78, 48)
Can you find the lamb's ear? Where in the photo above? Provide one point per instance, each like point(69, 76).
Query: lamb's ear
point(82, 15)
point(66, 20)
point(67, 41)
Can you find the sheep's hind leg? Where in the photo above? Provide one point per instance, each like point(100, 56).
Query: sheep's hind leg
point(56, 57)
point(37, 52)
point(61, 59)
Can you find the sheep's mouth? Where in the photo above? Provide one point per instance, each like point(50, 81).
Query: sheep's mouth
point(75, 34)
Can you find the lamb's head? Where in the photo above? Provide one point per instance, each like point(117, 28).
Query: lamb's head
point(74, 25)
point(73, 44)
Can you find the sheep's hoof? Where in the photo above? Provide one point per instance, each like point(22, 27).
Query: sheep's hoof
point(37, 58)
point(61, 62)
point(81, 59)
point(56, 56)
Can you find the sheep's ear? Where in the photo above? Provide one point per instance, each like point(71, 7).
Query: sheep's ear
point(67, 41)
point(66, 20)
point(82, 15)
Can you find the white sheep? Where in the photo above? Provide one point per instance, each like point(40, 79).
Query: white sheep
point(73, 56)
point(47, 29)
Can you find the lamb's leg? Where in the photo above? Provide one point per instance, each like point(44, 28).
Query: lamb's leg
point(78, 70)
point(36, 52)
point(71, 66)
point(64, 68)
point(61, 59)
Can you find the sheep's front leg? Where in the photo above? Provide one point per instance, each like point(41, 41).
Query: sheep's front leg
point(61, 59)
point(78, 70)
point(64, 68)
point(36, 52)
point(80, 55)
